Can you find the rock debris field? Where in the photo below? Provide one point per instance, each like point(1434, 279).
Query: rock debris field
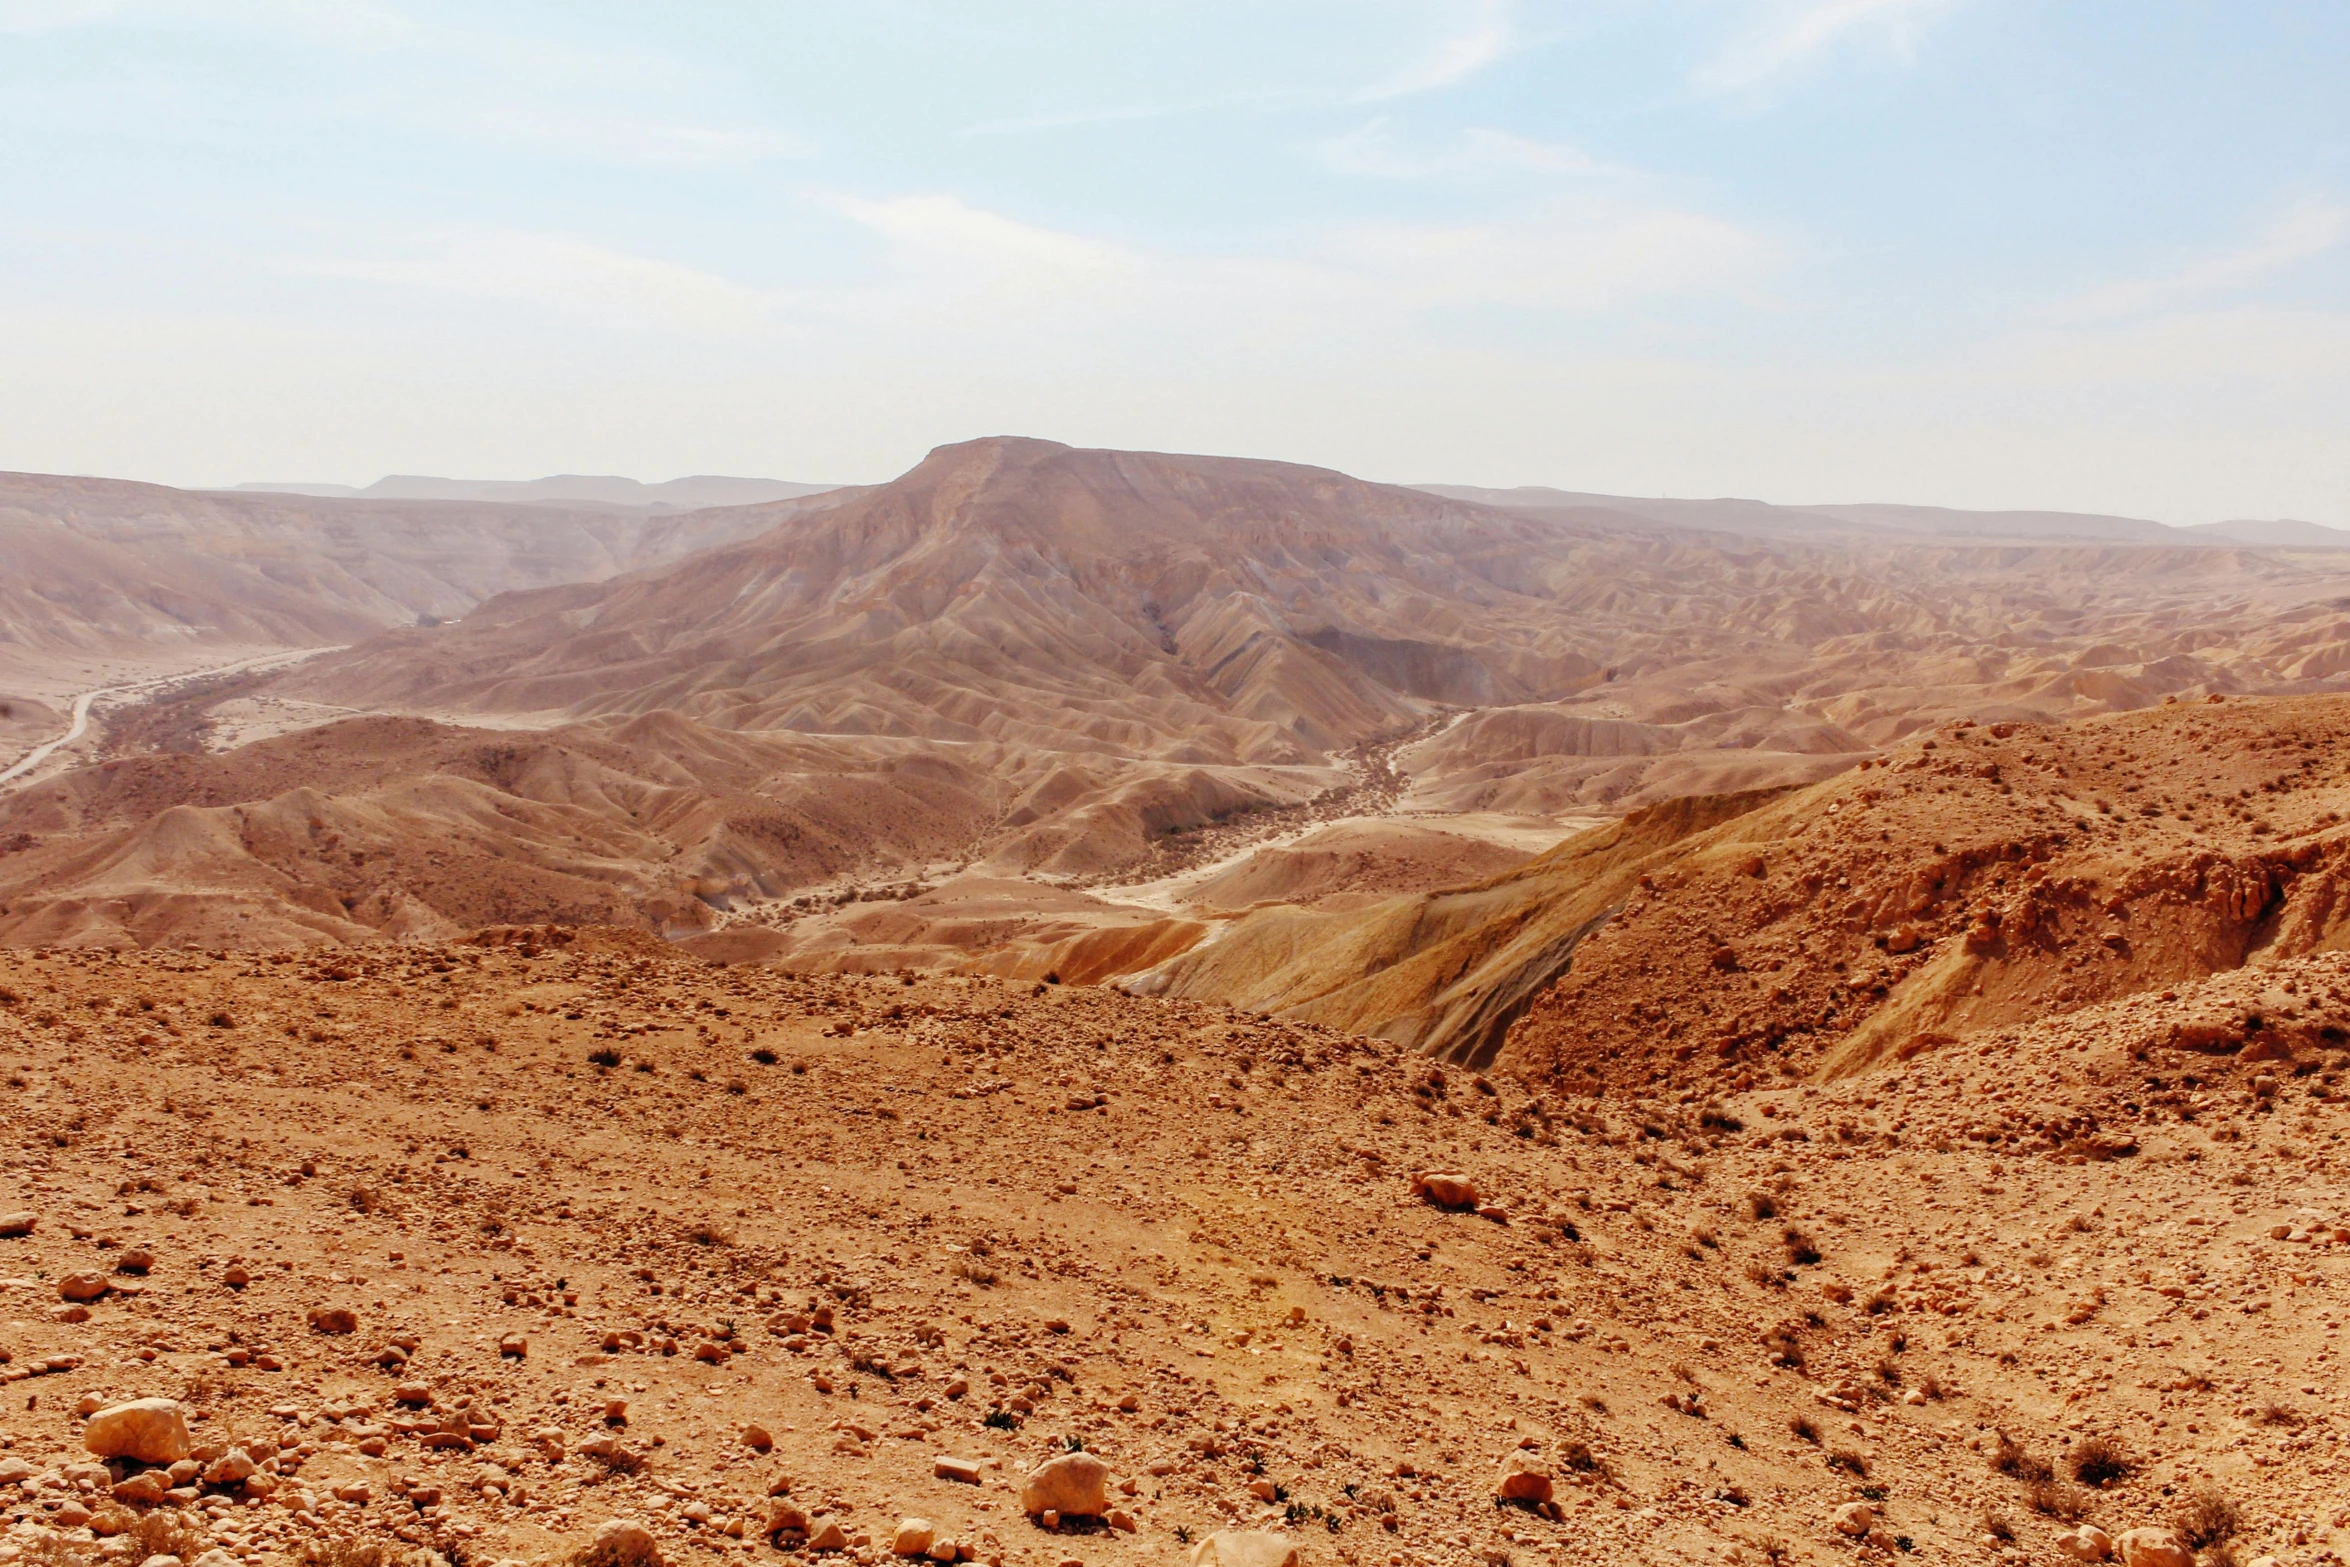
point(561, 1245)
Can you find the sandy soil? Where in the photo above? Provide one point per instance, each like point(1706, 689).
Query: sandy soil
point(1188, 1240)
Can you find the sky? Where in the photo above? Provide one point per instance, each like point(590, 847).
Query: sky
point(1980, 253)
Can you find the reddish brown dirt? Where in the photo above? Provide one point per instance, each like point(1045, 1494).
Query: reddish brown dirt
point(1713, 1322)
point(1978, 876)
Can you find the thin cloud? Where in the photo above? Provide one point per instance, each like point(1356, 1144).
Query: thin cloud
point(1572, 258)
point(1453, 60)
point(616, 136)
point(1373, 149)
point(555, 272)
point(1795, 36)
point(2308, 229)
point(1029, 124)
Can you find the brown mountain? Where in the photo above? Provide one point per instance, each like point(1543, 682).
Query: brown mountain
point(108, 567)
point(1033, 659)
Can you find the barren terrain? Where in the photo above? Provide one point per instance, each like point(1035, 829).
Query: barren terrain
point(718, 1247)
point(1023, 671)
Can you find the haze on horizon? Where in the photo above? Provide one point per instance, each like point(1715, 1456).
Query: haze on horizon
point(1953, 252)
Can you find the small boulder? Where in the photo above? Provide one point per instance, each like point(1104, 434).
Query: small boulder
point(151, 1430)
point(216, 1557)
point(143, 1489)
point(786, 1518)
point(758, 1437)
point(81, 1288)
point(826, 1534)
point(626, 1543)
point(1075, 1485)
point(1855, 1519)
point(2152, 1548)
point(15, 1225)
point(1446, 1189)
point(231, 1467)
point(913, 1538)
point(965, 1471)
point(333, 1319)
point(2088, 1543)
point(1523, 1479)
point(1245, 1548)
point(138, 1259)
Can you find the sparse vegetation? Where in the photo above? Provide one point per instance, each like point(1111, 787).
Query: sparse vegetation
point(2207, 1519)
point(2099, 1461)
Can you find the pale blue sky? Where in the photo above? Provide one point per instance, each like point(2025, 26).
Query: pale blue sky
point(1970, 252)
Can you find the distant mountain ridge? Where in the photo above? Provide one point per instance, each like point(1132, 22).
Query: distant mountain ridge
point(1882, 521)
point(696, 492)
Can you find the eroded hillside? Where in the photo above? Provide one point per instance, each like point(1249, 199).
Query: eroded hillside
point(478, 1247)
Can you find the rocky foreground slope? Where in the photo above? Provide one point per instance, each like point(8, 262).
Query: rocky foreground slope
point(477, 1247)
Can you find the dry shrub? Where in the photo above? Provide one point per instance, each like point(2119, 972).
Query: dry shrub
point(705, 1233)
point(1995, 1525)
point(2012, 1461)
point(1803, 1427)
point(2099, 1461)
point(620, 1460)
point(1762, 1205)
point(363, 1553)
point(1580, 1458)
point(2052, 1498)
point(2207, 1518)
point(1800, 1250)
point(1852, 1463)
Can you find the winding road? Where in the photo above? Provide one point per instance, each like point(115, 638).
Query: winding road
point(87, 699)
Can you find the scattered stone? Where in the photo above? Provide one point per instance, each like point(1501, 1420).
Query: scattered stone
point(626, 1543)
point(1245, 1548)
point(151, 1430)
point(758, 1438)
point(913, 1538)
point(2088, 1543)
point(138, 1259)
point(2148, 1547)
point(333, 1319)
point(230, 1468)
point(1075, 1485)
point(964, 1470)
point(1523, 1479)
point(1446, 1189)
point(1855, 1519)
point(14, 1225)
point(826, 1534)
point(82, 1287)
